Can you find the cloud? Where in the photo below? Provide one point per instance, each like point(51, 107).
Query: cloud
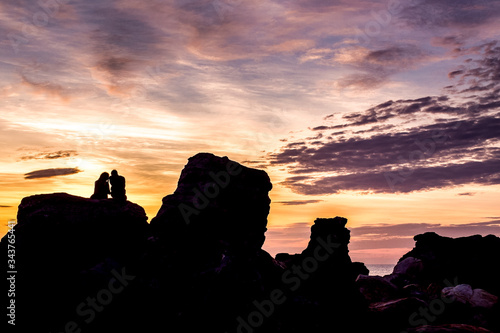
point(46, 88)
point(374, 67)
point(431, 14)
point(411, 144)
point(467, 194)
point(51, 155)
point(481, 173)
point(3, 206)
point(48, 173)
point(292, 238)
point(297, 202)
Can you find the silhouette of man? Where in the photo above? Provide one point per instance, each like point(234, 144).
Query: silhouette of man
point(101, 187)
point(117, 186)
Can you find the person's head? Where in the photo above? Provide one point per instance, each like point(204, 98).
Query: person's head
point(114, 173)
point(104, 175)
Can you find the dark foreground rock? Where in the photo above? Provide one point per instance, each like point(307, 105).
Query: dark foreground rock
point(455, 281)
point(322, 281)
point(66, 250)
point(221, 202)
point(472, 260)
point(208, 236)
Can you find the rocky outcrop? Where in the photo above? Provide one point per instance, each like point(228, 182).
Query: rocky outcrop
point(446, 277)
point(208, 234)
point(75, 230)
point(392, 316)
point(219, 204)
point(470, 260)
point(66, 248)
point(463, 293)
point(328, 279)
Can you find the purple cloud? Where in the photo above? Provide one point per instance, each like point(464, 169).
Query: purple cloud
point(457, 144)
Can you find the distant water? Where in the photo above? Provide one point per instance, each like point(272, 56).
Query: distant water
point(380, 269)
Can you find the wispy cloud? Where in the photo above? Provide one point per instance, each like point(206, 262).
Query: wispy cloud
point(48, 173)
point(298, 202)
point(50, 155)
point(47, 88)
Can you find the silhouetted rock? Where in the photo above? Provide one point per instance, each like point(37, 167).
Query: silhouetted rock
point(410, 267)
point(434, 272)
point(472, 260)
point(392, 316)
point(220, 203)
point(88, 230)
point(209, 233)
point(360, 268)
point(463, 293)
point(65, 247)
point(327, 288)
point(376, 288)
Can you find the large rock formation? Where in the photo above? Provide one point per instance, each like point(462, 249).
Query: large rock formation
point(218, 201)
point(472, 260)
point(66, 248)
point(325, 278)
point(208, 234)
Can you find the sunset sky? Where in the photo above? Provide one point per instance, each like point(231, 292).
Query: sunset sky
point(383, 112)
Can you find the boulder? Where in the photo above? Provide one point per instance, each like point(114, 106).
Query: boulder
point(77, 231)
point(461, 293)
point(376, 288)
point(393, 316)
point(67, 248)
point(483, 299)
point(410, 267)
point(476, 298)
point(359, 268)
point(219, 205)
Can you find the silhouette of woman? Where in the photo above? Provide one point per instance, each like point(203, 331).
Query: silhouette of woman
point(101, 188)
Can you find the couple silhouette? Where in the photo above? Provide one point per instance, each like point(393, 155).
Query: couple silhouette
point(101, 189)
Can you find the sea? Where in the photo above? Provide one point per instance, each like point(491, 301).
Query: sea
point(380, 269)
